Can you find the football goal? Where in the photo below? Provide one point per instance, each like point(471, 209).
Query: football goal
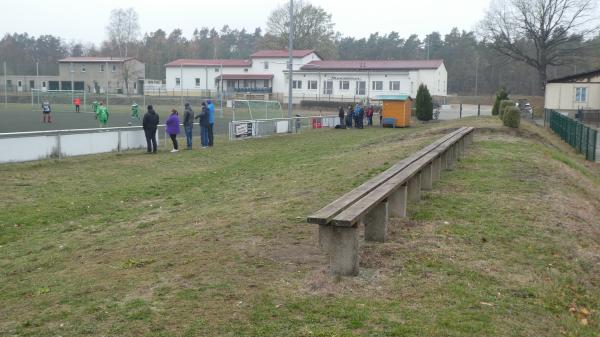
point(60, 100)
point(256, 109)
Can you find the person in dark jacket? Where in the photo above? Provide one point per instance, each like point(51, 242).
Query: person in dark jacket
point(341, 115)
point(150, 124)
point(349, 117)
point(204, 123)
point(370, 111)
point(188, 123)
point(172, 128)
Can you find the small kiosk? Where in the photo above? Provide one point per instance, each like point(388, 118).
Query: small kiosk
point(396, 111)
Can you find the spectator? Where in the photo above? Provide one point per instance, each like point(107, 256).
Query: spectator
point(46, 111)
point(188, 124)
point(172, 128)
point(341, 115)
point(349, 117)
point(203, 116)
point(211, 121)
point(358, 116)
point(150, 124)
point(370, 111)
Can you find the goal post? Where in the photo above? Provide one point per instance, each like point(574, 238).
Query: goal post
point(60, 100)
point(244, 109)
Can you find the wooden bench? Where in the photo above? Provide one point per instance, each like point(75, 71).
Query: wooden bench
point(385, 195)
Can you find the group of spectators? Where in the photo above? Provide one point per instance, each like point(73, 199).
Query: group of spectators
point(357, 115)
point(206, 118)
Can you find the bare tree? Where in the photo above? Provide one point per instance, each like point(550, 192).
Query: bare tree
point(540, 33)
point(313, 29)
point(123, 29)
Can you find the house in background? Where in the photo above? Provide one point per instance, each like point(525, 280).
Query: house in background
point(265, 73)
point(572, 93)
point(115, 75)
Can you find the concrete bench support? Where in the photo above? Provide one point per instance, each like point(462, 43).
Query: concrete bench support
point(397, 203)
point(376, 223)
point(437, 169)
point(341, 244)
point(414, 187)
point(427, 177)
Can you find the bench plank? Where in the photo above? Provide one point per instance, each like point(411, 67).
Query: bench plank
point(355, 212)
point(327, 213)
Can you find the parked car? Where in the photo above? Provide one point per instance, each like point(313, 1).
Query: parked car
point(524, 105)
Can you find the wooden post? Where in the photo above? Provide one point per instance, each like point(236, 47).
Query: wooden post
point(414, 187)
point(376, 223)
point(397, 203)
point(427, 178)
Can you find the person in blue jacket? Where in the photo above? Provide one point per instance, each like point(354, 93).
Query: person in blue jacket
point(211, 121)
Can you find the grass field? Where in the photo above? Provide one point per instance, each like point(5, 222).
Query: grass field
point(215, 243)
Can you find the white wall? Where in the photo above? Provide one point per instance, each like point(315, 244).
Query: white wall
point(206, 75)
point(561, 96)
point(28, 146)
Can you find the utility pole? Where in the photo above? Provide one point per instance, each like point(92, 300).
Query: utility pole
point(291, 58)
point(181, 82)
point(106, 77)
point(221, 90)
point(5, 85)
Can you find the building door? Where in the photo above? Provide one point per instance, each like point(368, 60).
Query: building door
point(327, 87)
point(361, 87)
point(140, 87)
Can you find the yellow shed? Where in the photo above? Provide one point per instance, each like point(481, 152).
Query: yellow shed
point(396, 108)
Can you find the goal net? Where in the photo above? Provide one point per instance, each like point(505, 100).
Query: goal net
point(256, 109)
point(60, 100)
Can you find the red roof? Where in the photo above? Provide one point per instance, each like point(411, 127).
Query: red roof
point(209, 63)
point(281, 53)
point(93, 59)
point(373, 65)
point(246, 76)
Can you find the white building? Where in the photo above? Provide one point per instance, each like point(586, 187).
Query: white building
point(571, 93)
point(314, 79)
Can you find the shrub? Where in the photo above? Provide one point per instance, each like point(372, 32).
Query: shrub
point(512, 117)
point(503, 105)
point(500, 96)
point(424, 104)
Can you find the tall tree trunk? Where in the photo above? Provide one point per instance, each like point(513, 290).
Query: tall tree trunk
point(542, 77)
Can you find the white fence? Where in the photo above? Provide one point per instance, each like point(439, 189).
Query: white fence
point(257, 128)
point(37, 145)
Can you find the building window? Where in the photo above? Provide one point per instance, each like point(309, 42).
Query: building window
point(31, 84)
point(344, 85)
point(102, 68)
point(197, 82)
point(394, 85)
point(177, 81)
point(377, 85)
point(44, 84)
point(134, 85)
point(265, 83)
point(217, 70)
point(19, 84)
point(245, 70)
point(327, 87)
point(296, 84)
point(312, 85)
point(361, 87)
point(114, 68)
point(580, 95)
point(266, 65)
point(83, 69)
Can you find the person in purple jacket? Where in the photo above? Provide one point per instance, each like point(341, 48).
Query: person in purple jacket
point(173, 128)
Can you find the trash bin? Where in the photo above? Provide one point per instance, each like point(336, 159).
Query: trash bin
point(317, 122)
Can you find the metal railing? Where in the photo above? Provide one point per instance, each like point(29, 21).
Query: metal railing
point(582, 138)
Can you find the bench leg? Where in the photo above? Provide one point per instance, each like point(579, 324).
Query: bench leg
point(341, 245)
point(437, 168)
point(397, 203)
point(376, 223)
point(457, 151)
point(450, 160)
point(427, 177)
point(414, 187)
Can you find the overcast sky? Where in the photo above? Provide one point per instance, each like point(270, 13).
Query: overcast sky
point(85, 21)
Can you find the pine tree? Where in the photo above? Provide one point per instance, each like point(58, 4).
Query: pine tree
point(424, 104)
point(500, 96)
